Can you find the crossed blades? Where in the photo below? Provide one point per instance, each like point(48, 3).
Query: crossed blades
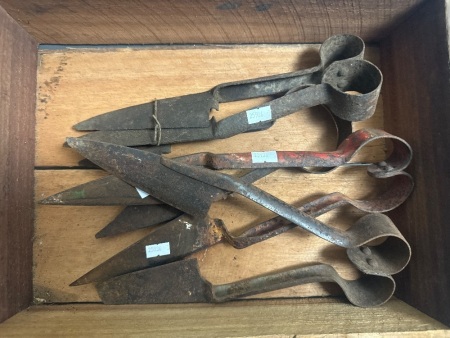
point(156, 268)
point(196, 231)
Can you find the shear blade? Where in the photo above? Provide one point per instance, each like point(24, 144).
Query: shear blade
point(137, 217)
point(187, 111)
point(179, 238)
point(144, 170)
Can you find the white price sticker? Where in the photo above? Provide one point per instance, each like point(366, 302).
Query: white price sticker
point(142, 193)
point(155, 250)
point(260, 114)
point(264, 156)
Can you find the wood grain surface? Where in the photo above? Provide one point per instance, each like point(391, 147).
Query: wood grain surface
point(268, 318)
point(204, 21)
point(420, 114)
point(18, 63)
point(77, 84)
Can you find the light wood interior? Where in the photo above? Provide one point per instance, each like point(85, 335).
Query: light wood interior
point(77, 84)
point(415, 60)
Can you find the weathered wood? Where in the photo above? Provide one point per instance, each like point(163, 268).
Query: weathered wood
point(77, 84)
point(18, 63)
point(204, 21)
point(420, 114)
point(287, 318)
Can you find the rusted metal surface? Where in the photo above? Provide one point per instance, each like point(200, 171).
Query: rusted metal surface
point(398, 160)
point(160, 150)
point(347, 85)
point(349, 88)
point(133, 166)
point(181, 282)
point(192, 111)
point(141, 169)
point(143, 216)
point(187, 235)
point(136, 217)
point(108, 190)
point(111, 190)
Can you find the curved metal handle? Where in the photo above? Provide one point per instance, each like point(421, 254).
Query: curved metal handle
point(398, 160)
point(368, 291)
point(335, 48)
point(339, 83)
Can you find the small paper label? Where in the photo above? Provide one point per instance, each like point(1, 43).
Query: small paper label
point(264, 156)
point(142, 193)
point(260, 114)
point(155, 250)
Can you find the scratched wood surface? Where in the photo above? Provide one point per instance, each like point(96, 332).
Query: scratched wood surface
point(203, 21)
point(77, 84)
point(18, 62)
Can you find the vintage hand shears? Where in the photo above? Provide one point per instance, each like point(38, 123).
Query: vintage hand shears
point(145, 170)
point(109, 157)
point(346, 84)
point(112, 190)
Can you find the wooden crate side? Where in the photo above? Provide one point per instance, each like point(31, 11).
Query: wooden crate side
point(274, 318)
point(417, 103)
point(204, 21)
point(18, 64)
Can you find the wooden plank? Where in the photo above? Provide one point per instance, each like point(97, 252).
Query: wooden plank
point(204, 21)
point(18, 63)
point(287, 318)
point(419, 113)
point(77, 84)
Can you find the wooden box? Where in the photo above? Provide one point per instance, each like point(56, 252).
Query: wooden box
point(408, 39)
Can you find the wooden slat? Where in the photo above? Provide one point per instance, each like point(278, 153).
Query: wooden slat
point(77, 84)
point(18, 56)
point(204, 21)
point(420, 114)
point(292, 318)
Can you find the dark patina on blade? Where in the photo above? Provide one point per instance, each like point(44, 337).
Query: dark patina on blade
point(160, 150)
point(192, 111)
point(179, 238)
point(178, 282)
point(108, 190)
point(187, 111)
point(181, 282)
point(135, 217)
point(144, 170)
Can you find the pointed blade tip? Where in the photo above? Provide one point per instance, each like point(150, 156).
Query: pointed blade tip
point(101, 234)
point(82, 281)
point(76, 283)
point(50, 200)
point(83, 126)
point(72, 142)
